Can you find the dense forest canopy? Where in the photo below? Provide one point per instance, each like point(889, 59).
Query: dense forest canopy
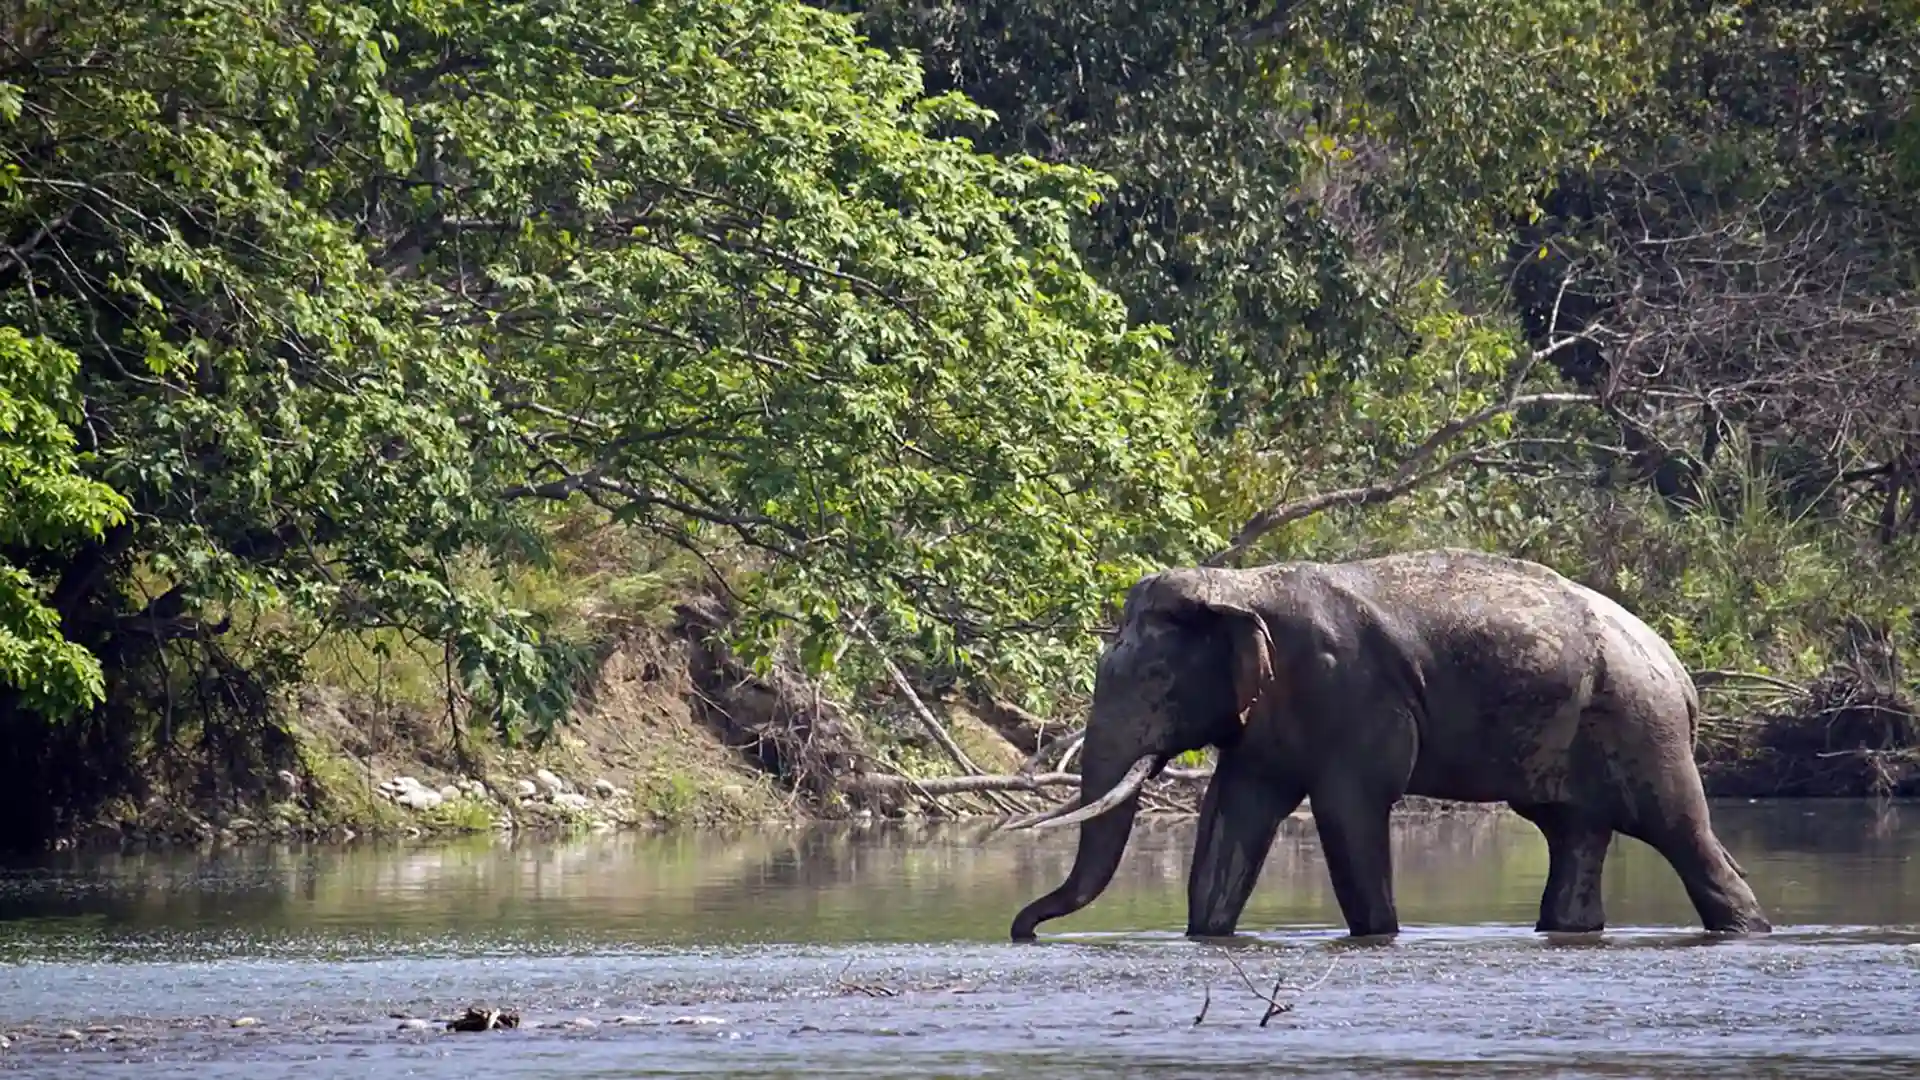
point(940, 320)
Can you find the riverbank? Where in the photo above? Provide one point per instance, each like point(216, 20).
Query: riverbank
point(672, 730)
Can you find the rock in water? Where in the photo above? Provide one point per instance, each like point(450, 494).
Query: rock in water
point(478, 1019)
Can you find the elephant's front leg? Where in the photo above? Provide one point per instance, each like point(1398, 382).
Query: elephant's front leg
point(1355, 833)
point(1238, 818)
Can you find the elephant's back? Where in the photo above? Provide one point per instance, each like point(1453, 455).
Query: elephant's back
point(1472, 603)
point(1518, 668)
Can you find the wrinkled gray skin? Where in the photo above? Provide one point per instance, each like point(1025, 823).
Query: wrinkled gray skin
point(1450, 674)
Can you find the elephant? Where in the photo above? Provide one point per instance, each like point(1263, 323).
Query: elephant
point(1448, 673)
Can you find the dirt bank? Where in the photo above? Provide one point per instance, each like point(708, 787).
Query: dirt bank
point(672, 729)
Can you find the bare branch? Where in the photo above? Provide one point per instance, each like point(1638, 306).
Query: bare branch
point(1414, 472)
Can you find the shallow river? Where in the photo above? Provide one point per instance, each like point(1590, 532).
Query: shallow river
point(881, 951)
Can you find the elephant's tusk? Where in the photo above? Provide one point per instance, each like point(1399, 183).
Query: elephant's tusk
point(1127, 788)
point(1026, 821)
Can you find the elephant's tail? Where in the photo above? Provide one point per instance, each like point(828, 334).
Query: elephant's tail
point(1731, 861)
point(1693, 715)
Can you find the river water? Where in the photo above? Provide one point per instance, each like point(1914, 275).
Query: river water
point(881, 951)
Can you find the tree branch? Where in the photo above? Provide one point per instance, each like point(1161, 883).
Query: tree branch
point(1409, 476)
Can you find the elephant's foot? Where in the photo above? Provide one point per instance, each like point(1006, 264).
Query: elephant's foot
point(1569, 925)
point(1719, 891)
point(1738, 923)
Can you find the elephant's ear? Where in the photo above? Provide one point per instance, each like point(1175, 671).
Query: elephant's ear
point(1196, 598)
point(1252, 658)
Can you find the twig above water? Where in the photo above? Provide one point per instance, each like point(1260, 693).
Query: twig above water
point(1275, 1006)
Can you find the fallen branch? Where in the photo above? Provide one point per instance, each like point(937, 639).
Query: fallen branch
point(979, 782)
point(1721, 679)
point(930, 722)
point(478, 1019)
point(1025, 730)
point(1050, 747)
point(919, 708)
point(869, 989)
point(956, 785)
point(1275, 1006)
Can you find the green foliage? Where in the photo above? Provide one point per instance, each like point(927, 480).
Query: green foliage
point(353, 287)
point(49, 505)
point(1290, 178)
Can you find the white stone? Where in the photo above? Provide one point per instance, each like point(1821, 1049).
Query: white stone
point(551, 782)
point(570, 800)
point(419, 799)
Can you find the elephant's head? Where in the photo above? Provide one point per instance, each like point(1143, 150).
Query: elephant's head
point(1189, 662)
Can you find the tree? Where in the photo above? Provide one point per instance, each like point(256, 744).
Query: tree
point(354, 288)
point(1290, 177)
point(1748, 246)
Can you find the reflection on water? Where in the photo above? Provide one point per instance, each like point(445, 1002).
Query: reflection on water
point(1838, 863)
point(323, 942)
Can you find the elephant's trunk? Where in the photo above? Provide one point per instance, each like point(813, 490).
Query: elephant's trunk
point(1103, 839)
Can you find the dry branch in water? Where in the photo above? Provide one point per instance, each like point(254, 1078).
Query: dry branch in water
point(1275, 1006)
point(869, 989)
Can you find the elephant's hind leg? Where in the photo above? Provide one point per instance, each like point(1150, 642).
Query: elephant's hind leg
point(1571, 903)
point(1238, 819)
point(1673, 818)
